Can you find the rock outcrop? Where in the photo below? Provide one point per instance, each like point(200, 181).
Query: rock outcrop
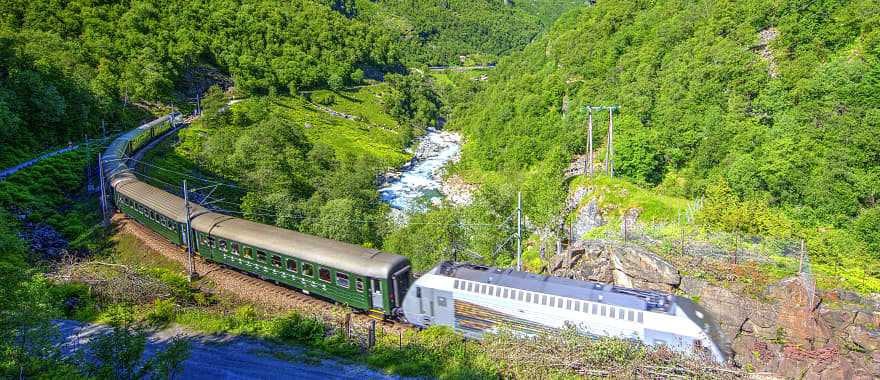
point(787, 331)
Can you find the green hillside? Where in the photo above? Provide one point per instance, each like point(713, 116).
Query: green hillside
point(439, 32)
point(770, 107)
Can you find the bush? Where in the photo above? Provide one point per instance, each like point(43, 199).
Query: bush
point(298, 329)
point(162, 312)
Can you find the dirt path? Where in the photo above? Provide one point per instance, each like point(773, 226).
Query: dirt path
point(228, 281)
point(230, 357)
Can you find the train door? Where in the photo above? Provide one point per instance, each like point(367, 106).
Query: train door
point(400, 284)
point(376, 291)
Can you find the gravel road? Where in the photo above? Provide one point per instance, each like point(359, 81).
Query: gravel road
point(231, 357)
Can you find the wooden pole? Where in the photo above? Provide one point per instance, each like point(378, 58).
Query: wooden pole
point(611, 141)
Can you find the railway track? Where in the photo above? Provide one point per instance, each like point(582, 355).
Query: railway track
point(246, 287)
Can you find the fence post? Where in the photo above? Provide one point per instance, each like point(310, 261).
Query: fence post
point(348, 326)
point(371, 339)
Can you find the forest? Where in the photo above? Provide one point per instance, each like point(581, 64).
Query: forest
point(768, 109)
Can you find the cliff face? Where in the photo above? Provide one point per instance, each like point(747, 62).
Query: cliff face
point(786, 330)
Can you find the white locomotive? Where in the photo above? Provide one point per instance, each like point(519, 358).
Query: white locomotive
point(476, 299)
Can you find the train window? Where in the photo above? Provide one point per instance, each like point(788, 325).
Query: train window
point(568, 304)
point(630, 315)
point(359, 284)
point(248, 252)
point(211, 241)
point(470, 286)
point(491, 290)
point(552, 301)
point(612, 313)
point(456, 284)
point(342, 280)
point(521, 295)
point(505, 292)
point(222, 244)
point(595, 309)
point(640, 317)
point(577, 305)
point(308, 270)
point(276, 261)
point(235, 248)
point(602, 311)
point(529, 297)
point(418, 292)
point(512, 294)
point(324, 274)
point(544, 299)
point(261, 256)
point(291, 265)
point(498, 292)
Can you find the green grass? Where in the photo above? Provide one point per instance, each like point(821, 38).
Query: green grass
point(622, 195)
point(374, 134)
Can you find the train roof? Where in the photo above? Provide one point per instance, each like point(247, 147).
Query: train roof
point(583, 290)
point(331, 253)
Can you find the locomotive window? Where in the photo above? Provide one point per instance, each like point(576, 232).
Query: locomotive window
point(577, 305)
point(640, 317)
point(568, 304)
point(342, 279)
point(248, 252)
point(521, 295)
point(621, 314)
point(529, 297)
point(261, 256)
point(308, 270)
point(498, 292)
point(602, 311)
point(544, 299)
point(456, 284)
point(612, 313)
point(291, 265)
point(552, 301)
point(276, 261)
point(222, 245)
point(491, 290)
point(630, 315)
point(505, 292)
point(484, 289)
point(470, 286)
point(595, 309)
point(359, 284)
point(324, 274)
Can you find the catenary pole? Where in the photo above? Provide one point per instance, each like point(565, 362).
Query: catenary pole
point(611, 141)
point(590, 142)
point(103, 190)
point(188, 234)
point(519, 231)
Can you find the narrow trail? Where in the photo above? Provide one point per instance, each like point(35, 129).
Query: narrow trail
point(273, 297)
point(10, 171)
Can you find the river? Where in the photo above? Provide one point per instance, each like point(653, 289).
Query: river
point(419, 182)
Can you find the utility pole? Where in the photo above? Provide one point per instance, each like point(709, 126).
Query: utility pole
point(188, 234)
point(103, 191)
point(519, 231)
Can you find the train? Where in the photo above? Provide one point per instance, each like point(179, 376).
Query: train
point(471, 299)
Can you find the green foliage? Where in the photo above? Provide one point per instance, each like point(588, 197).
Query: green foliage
point(438, 32)
point(119, 354)
point(412, 101)
point(779, 133)
point(298, 329)
point(161, 313)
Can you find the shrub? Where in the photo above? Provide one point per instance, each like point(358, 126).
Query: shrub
point(162, 312)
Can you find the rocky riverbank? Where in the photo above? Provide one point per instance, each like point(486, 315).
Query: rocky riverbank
point(420, 181)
